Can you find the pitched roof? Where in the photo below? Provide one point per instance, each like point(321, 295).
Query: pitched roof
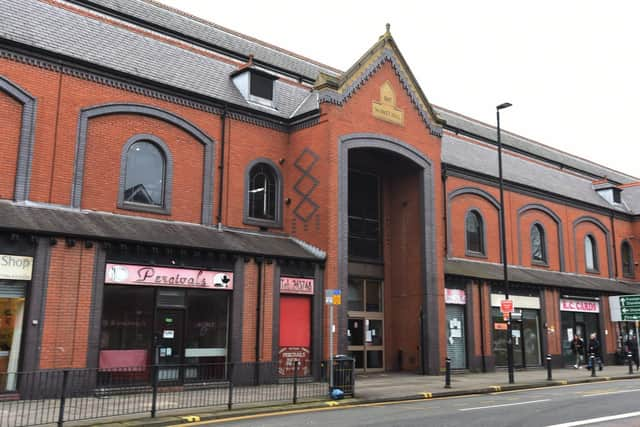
point(488, 132)
point(58, 221)
point(41, 25)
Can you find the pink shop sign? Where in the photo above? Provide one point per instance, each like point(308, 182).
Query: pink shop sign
point(455, 296)
point(294, 285)
point(122, 274)
point(579, 305)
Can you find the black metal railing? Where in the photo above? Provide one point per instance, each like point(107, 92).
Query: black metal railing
point(58, 396)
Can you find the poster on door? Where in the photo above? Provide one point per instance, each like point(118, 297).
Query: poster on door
point(288, 356)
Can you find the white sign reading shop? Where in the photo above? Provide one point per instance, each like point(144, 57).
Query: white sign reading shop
point(14, 267)
point(579, 306)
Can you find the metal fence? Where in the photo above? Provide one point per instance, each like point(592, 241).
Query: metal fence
point(57, 396)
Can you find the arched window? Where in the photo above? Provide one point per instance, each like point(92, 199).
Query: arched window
point(263, 195)
point(145, 177)
point(538, 244)
point(474, 232)
point(590, 253)
point(627, 259)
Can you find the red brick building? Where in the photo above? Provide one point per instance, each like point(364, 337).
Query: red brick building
point(175, 192)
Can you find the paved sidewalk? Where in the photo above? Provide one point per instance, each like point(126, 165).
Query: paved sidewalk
point(395, 386)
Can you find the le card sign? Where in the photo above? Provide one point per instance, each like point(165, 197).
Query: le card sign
point(15, 267)
point(579, 306)
point(122, 274)
point(295, 285)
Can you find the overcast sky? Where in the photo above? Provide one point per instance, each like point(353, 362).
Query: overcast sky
point(571, 69)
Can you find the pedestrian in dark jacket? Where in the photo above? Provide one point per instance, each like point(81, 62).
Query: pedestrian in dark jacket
point(632, 347)
point(577, 347)
point(593, 348)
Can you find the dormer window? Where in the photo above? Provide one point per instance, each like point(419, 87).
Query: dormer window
point(255, 85)
point(617, 195)
point(609, 192)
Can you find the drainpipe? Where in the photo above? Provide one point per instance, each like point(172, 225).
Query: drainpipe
point(613, 242)
point(484, 362)
point(260, 263)
point(444, 204)
point(223, 119)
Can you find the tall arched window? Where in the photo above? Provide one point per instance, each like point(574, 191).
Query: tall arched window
point(627, 259)
point(590, 253)
point(145, 176)
point(538, 244)
point(474, 233)
point(262, 192)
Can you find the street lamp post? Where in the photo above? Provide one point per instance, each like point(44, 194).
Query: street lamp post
point(503, 244)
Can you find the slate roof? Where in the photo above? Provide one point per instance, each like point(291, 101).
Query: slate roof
point(483, 130)
point(490, 271)
point(478, 158)
point(58, 221)
point(38, 24)
point(194, 27)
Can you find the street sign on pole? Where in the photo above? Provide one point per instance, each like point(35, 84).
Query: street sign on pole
point(506, 306)
point(630, 307)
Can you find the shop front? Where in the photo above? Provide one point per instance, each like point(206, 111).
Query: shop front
point(296, 298)
point(166, 316)
point(578, 317)
point(15, 275)
point(455, 300)
point(526, 333)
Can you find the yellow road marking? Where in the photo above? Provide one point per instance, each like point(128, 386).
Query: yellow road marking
point(332, 403)
point(427, 395)
point(191, 418)
point(495, 388)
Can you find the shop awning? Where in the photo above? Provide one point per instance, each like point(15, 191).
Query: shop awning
point(66, 222)
point(490, 271)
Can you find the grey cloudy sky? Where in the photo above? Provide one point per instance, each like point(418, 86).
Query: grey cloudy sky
point(571, 69)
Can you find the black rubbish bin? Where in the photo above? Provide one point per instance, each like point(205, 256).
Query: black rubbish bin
point(344, 374)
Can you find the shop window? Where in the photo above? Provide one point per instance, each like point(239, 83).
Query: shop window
point(145, 175)
point(262, 203)
point(364, 216)
point(590, 253)
point(538, 244)
point(627, 259)
point(206, 327)
point(474, 233)
point(127, 319)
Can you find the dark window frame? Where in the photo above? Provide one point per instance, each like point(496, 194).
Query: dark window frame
point(378, 221)
point(261, 85)
point(628, 267)
point(482, 252)
point(543, 260)
point(594, 253)
point(276, 222)
point(165, 208)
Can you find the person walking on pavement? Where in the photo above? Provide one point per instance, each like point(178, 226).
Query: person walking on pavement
point(593, 348)
point(632, 347)
point(577, 347)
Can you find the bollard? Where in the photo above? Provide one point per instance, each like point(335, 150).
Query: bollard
point(295, 381)
point(63, 396)
point(630, 360)
point(592, 361)
point(548, 366)
point(447, 373)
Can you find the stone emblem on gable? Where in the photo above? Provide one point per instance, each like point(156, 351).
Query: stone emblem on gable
point(386, 108)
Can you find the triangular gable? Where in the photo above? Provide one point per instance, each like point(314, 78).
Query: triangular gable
point(338, 90)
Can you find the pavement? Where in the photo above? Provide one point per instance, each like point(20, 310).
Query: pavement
point(390, 386)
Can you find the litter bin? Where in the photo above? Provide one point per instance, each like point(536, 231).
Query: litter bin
point(343, 374)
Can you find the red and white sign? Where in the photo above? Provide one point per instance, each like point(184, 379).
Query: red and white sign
point(455, 296)
point(506, 306)
point(295, 285)
point(580, 306)
point(122, 274)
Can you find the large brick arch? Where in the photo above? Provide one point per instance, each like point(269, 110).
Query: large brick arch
point(149, 111)
point(481, 194)
point(25, 150)
point(554, 217)
point(604, 231)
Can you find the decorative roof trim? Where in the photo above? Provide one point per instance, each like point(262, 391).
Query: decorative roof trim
point(330, 96)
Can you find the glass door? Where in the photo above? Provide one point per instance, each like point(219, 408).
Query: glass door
point(365, 326)
point(169, 346)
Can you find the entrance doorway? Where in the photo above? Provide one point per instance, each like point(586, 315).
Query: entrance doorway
point(526, 339)
point(365, 324)
point(169, 347)
point(11, 315)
